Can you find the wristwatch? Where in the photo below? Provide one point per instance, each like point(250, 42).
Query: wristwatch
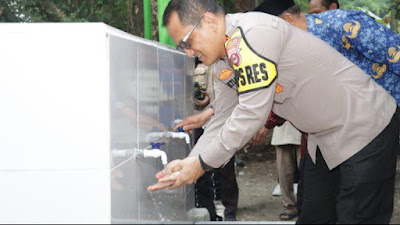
point(205, 167)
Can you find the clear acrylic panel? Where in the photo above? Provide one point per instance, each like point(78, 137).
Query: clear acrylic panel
point(124, 124)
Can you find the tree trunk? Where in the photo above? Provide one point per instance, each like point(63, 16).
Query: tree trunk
point(394, 23)
point(130, 25)
point(154, 12)
point(52, 12)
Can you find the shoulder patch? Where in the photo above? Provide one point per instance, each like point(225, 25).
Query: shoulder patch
point(252, 70)
point(225, 74)
point(232, 49)
point(227, 77)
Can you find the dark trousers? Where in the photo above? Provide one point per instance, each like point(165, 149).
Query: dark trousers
point(300, 188)
point(221, 182)
point(229, 188)
point(218, 184)
point(205, 192)
point(360, 190)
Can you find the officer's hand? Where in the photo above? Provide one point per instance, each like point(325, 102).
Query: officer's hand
point(258, 139)
point(195, 121)
point(182, 173)
point(166, 172)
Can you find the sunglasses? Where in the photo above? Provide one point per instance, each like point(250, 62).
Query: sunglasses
point(184, 44)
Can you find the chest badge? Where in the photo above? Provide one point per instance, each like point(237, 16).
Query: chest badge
point(279, 88)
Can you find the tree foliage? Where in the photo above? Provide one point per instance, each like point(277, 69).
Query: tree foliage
point(112, 12)
point(378, 7)
point(127, 15)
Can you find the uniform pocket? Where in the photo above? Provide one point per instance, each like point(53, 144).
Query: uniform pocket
point(283, 90)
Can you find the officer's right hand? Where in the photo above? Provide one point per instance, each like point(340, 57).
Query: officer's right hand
point(178, 173)
point(195, 121)
point(171, 170)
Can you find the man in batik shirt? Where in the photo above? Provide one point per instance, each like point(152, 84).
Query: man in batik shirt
point(368, 44)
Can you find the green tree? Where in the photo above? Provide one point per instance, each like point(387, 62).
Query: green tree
point(388, 10)
point(378, 7)
point(303, 5)
point(127, 15)
point(9, 12)
point(122, 14)
point(395, 15)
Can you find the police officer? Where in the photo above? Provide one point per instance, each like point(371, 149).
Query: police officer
point(351, 119)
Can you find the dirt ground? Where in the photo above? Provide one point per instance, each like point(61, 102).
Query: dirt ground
point(258, 179)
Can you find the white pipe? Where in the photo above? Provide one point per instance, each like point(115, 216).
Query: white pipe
point(116, 153)
point(155, 136)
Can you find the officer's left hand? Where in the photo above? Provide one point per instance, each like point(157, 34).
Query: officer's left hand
point(184, 172)
point(195, 121)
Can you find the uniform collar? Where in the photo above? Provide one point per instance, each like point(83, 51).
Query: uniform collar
point(231, 21)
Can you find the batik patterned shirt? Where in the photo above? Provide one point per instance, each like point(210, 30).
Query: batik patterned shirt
point(368, 44)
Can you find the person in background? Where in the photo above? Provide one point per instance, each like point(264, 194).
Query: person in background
point(205, 187)
point(220, 184)
point(319, 6)
point(371, 46)
point(286, 139)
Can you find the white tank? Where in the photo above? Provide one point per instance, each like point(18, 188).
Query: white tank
point(69, 94)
